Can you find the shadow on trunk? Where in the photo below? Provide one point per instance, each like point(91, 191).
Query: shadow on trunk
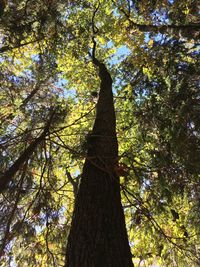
point(98, 235)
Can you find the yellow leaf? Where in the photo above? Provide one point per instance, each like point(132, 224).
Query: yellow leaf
point(150, 43)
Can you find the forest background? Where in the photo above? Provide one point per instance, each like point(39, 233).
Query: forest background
point(48, 92)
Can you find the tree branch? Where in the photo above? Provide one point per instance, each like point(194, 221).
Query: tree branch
point(9, 48)
point(10, 219)
point(158, 28)
point(9, 174)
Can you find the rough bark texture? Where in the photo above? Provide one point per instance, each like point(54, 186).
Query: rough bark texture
point(98, 235)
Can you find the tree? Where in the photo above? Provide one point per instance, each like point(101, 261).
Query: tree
point(98, 234)
point(55, 58)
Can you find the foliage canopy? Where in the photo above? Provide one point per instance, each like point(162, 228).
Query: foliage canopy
point(48, 87)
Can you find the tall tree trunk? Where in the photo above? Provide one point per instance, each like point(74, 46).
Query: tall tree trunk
point(98, 236)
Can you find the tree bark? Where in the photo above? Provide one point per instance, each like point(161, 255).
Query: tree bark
point(98, 236)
